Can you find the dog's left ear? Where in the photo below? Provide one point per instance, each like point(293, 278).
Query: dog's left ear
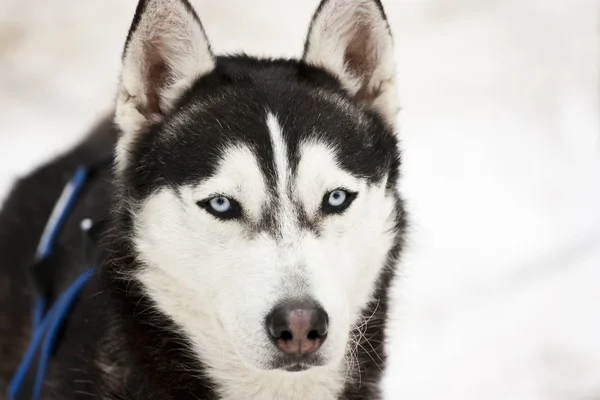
point(165, 53)
point(352, 40)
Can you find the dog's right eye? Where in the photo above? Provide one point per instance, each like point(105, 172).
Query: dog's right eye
point(337, 201)
point(221, 207)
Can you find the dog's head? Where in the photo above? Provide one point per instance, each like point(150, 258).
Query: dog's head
point(262, 192)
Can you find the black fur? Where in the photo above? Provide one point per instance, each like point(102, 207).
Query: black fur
point(116, 344)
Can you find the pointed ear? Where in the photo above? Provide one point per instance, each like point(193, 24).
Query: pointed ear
point(352, 40)
point(165, 52)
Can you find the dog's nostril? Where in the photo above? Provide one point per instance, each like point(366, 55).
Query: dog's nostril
point(313, 335)
point(285, 335)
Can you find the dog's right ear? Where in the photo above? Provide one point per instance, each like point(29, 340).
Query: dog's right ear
point(165, 52)
point(352, 40)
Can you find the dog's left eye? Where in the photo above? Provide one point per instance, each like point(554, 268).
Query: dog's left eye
point(221, 207)
point(337, 201)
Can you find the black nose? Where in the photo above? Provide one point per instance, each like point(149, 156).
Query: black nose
point(298, 327)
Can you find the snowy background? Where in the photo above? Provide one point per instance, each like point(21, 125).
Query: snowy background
point(500, 292)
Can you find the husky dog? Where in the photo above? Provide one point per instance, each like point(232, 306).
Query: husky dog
point(254, 221)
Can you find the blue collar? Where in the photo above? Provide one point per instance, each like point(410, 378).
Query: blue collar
point(27, 381)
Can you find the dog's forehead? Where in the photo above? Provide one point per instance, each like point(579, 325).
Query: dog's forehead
point(197, 137)
point(190, 144)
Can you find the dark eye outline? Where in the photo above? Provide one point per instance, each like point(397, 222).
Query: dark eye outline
point(329, 209)
point(234, 211)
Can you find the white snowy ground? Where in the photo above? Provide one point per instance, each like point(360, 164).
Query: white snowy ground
point(500, 292)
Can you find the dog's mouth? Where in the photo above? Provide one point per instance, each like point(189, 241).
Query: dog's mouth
point(297, 367)
point(297, 364)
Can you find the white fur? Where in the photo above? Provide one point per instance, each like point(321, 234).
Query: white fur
point(279, 152)
point(343, 23)
point(286, 218)
point(167, 32)
point(218, 281)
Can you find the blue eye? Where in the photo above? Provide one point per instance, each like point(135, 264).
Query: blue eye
point(338, 200)
point(220, 204)
point(221, 207)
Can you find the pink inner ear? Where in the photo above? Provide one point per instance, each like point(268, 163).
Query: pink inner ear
point(155, 76)
point(361, 54)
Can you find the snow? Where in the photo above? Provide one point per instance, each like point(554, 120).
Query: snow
point(498, 296)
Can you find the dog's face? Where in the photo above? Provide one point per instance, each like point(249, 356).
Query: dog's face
point(262, 192)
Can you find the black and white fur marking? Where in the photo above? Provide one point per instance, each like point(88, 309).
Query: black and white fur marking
point(178, 307)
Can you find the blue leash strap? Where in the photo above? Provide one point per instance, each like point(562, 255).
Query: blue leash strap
point(27, 381)
point(61, 210)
